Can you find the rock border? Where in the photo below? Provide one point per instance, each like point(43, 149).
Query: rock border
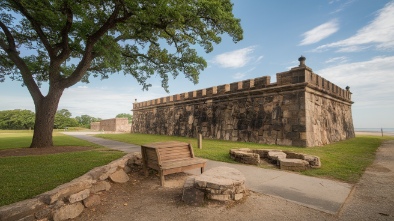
point(286, 160)
point(68, 200)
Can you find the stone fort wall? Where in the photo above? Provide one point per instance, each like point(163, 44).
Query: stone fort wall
point(114, 124)
point(300, 109)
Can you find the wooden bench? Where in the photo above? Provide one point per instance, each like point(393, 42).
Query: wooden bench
point(170, 157)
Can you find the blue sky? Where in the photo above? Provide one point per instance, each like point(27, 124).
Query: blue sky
point(349, 42)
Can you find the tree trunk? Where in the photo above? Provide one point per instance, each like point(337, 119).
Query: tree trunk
point(45, 116)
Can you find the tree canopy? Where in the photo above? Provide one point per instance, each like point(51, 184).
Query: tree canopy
point(124, 115)
point(63, 42)
point(16, 119)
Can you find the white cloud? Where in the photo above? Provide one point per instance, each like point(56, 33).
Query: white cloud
point(342, 6)
point(105, 102)
point(234, 59)
point(380, 33)
point(338, 60)
point(369, 81)
point(259, 58)
point(320, 32)
point(239, 76)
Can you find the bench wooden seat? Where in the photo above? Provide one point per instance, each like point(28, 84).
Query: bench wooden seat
point(170, 157)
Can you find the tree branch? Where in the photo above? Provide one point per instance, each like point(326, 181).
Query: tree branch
point(10, 38)
point(37, 28)
point(13, 55)
point(91, 41)
point(64, 33)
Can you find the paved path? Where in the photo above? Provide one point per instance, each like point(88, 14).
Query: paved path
point(372, 197)
point(321, 194)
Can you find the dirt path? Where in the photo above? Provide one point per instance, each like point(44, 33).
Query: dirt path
point(144, 200)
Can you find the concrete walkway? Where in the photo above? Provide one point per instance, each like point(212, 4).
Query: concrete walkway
point(321, 194)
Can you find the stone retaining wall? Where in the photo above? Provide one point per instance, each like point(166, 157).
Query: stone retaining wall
point(69, 200)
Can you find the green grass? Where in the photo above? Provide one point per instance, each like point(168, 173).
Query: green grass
point(25, 177)
point(22, 139)
point(345, 160)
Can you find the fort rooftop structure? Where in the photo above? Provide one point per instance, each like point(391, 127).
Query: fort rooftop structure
point(300, 109)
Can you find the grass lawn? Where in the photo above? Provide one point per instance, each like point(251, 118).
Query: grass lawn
point(345, 161)
point(27, 176)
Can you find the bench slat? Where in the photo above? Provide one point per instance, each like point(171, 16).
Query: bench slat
point(181, 163)
point(174, 157)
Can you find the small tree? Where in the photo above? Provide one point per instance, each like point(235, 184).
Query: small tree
point(63, 119)
point(63, 42)
point(124, 115)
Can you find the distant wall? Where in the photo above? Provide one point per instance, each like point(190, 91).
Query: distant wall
point(114, 124)
point(300, 109)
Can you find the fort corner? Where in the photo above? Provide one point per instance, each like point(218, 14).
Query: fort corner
point(300, 109)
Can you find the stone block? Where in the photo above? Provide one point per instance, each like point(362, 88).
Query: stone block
point(100, 186)
point(68, 211)
point(219, 197)
point(314, 161)
point(76, 197)
point(276, 155)
point(293, 164)
point(284, 142)
point(92, 200)
point(66, 190)
point(20, 210)
point(238, 196)
point(221, 183)
point(245, 155)
point(119, 177)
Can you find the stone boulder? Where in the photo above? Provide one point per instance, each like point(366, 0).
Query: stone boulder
point(68, 211)
point(119, 177)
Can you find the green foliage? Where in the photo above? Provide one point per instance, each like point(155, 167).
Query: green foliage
point(124, 115)
point(16, 119)
point(85, 120)
point(344, 160)
point(138, 37)
point(63, 119)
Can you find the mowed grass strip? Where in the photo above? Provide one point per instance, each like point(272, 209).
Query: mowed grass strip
point(22, 139)
point(344, 161)
point(27, 176)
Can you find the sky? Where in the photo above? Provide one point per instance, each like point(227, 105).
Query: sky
point(348, 42)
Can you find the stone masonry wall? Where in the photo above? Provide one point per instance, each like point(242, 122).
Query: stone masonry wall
point(114, 124)
point(301, 109)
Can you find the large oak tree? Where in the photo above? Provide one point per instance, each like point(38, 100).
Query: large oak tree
point(63, 42)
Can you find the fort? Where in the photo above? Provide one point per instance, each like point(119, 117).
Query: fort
point(300, 109)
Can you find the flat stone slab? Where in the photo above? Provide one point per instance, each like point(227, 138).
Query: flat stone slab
point(221, 183)
point(293, 164)
point(220, 176)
